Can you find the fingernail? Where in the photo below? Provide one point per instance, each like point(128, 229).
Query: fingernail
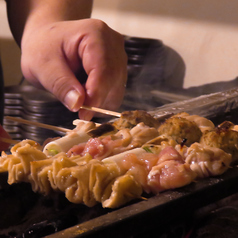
point(71, 99)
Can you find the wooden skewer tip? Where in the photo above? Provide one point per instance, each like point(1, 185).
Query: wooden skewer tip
point(103, 111)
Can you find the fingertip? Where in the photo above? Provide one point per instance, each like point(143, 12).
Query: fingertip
point(85, 115)
point(73, 100)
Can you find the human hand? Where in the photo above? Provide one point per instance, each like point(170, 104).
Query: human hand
point(54, 53)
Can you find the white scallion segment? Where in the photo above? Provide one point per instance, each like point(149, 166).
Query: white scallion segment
point(65, 143)
point(117, 158)
point(77, 121)
point(72, 138)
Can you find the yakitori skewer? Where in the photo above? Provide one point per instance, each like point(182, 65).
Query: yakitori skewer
point(38, 124)
point(56, 128)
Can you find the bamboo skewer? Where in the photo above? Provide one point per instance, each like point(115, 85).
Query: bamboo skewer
point(56, 128)
point(104, 111)
point(46, 126)
point(9, 141)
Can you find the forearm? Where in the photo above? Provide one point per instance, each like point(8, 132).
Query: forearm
point(25, 15)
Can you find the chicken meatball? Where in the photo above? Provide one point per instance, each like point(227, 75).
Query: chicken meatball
point(181, 130)
point(224, 138)
point(129, 119)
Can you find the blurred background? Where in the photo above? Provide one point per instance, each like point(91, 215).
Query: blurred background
point(203, 33)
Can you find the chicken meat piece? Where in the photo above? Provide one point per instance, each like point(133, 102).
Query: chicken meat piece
point(170, 171)
point(206, 161)
point(125, 139)
point(223, 137)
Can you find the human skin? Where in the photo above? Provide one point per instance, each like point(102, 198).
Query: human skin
point(58, 39)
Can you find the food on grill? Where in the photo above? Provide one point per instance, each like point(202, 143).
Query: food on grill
point(86, 130)
point(170, 171)
point(205, 160)
point(129, 119)
point(77, 135)
point(106, 128)
point(113, 181)
point(83, 179)
point(125, 139)
point(120, 165)
point(180, 128)
point(223, 137)
point(203, 123)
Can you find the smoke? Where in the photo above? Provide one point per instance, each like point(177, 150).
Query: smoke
point(151, 66)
